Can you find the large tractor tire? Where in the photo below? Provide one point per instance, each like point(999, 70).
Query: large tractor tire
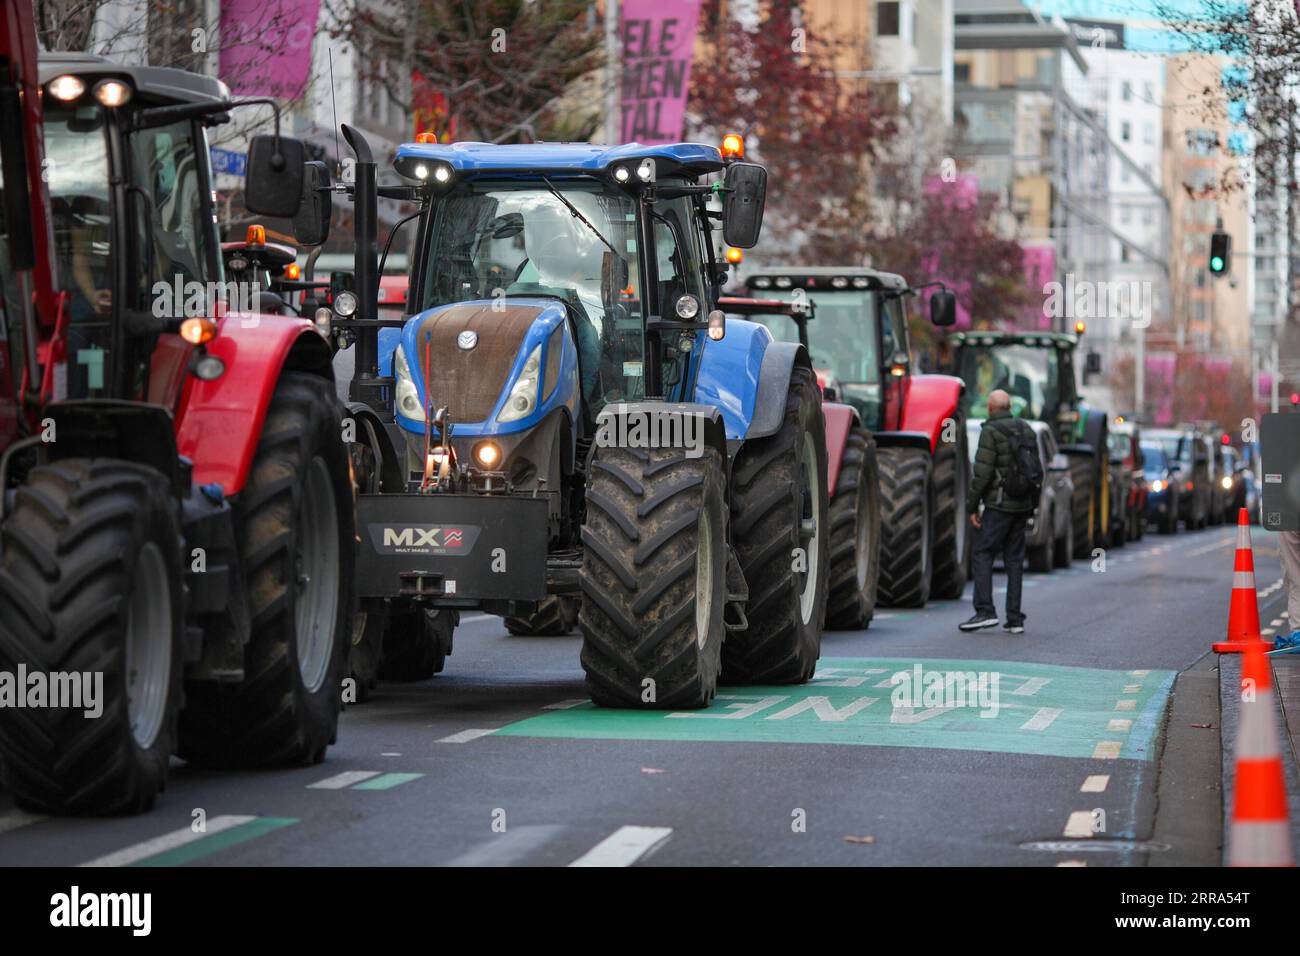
point(780, 522)
point(1083, 505)
point(295, 531)
point(416, 643)
point(653, 578)
point(91, 584)
point(854, 569)
point(952, 540)
point(906, 538)
point(366, 651)
point(555, 616)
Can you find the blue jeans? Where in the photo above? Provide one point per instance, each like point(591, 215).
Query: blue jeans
point(1000, 532)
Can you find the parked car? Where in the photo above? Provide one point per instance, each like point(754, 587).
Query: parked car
point(1220, 493)
point(1235, 477)
point(1126, 458)
point(1049, 537)
point(1163, 487)
point(1188, 456)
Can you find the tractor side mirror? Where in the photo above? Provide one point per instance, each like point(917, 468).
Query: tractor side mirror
point(311, 226)
point(943, 308)
point(275, 173)
point(746, 191)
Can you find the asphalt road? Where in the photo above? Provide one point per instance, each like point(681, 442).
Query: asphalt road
point(500, 760)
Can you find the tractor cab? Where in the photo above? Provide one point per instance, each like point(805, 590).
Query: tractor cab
point(860, 338)
point(1035, 368)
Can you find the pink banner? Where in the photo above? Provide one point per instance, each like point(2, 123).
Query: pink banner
point(266, 46)
point(658, 45)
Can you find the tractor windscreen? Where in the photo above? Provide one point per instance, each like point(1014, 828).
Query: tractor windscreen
point(841, 337)
point(494, 240)
point(1027, 373)
point(76, 164)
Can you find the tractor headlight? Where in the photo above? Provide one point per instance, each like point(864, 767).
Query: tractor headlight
point(522, 399)
point(408, 399)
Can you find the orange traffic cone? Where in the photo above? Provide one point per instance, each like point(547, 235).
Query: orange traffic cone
point(1243, 613)
point(1261, 832)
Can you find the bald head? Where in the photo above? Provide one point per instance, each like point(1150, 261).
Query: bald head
point(999, 401)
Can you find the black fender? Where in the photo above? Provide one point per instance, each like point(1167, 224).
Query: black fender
point(774, 374)
point(110, 428)
point(371, 430)
point(902, 440)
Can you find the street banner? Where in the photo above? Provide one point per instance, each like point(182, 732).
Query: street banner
point(228, 161)
point(658, 38)
point(266, 46)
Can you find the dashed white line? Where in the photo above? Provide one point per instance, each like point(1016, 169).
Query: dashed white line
point(1042, 719)
point(624, 846)
point(1139, 673)
point(345, 779)
point(465, 736)
point(1079, 824)
point(509, 847)
point(17, 819)
point(168, 841)
point(1128, 703)
point(1132, 688)
point(1095, 783)
point(565, 704)
point(1107, 750)
point(1119, 725)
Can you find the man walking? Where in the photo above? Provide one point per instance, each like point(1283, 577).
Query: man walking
point(1002, 527)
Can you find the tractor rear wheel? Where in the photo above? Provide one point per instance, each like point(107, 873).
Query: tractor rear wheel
point(906, 538)
point(416, 643)
point(294, 526)
point(951, 476)
point(653, 577)
point(91, 584)
point(854, 568)
point(779, 527)
point(1083, 505)
point(555, 616)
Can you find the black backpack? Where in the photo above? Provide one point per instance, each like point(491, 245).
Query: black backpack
point(1024, 479)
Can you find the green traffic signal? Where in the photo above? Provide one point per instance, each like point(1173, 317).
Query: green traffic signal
point(1216, 263)
point(1220, 252)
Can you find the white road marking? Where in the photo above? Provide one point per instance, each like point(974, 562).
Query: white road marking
point(390, 753)
point(1095, 783)
point(624, 846)
point(1032, 686)
point(1267, 632)
point(18, 819)
point(345, 779)
point(1120, 725)
point(1072, 863)
point(565, 704)
point(509, 847)
point(168, 841)
point(1132, 688)
point(1042, 719)
point(1079, 824)
point(465, 736)
point(1138, 673)
point(1126, 704)
point(1107, 750)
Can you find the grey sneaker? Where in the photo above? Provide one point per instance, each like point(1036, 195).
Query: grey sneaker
point(979, 622)
point(1015, 629)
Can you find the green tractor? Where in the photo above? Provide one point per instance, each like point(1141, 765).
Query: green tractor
point(1037, 369)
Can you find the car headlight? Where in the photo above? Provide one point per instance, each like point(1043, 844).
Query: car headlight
point(522, 399)
point(408, 399)
point(1157, 485)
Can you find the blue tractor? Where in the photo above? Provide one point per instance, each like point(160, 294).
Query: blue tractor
point(566, 418)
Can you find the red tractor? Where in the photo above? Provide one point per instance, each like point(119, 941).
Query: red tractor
point(176, 530)
point(860, 345)
point(852, 477)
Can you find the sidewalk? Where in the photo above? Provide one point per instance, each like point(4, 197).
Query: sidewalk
point(1286, 684)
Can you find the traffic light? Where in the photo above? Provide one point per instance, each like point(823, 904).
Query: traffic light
point(1220, 253)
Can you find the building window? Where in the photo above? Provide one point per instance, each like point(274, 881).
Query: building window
point(1148, 133)
point(961, 72)
point(1126, 91)
point(887, 18)
point(1125, 131)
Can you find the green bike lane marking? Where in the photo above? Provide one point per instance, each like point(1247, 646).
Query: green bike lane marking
point(1041, 709)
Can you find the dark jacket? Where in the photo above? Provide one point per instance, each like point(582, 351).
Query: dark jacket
point(992, 459)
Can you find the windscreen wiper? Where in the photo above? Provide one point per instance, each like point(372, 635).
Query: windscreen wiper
point(578, 215)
